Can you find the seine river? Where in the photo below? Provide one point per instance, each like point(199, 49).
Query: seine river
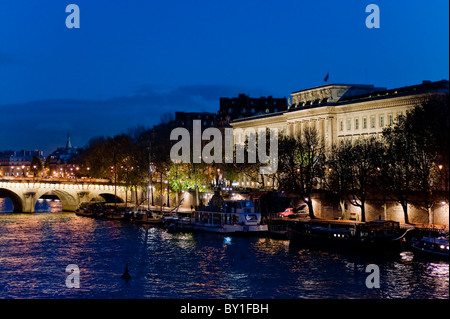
point(35, 250)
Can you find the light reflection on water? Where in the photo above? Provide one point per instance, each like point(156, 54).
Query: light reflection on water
point(36, 248)
point(6, 205)
point(43, 205)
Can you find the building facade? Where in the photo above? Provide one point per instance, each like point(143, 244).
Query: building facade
point(18, 163)
point(340, 112)
point(244, 106)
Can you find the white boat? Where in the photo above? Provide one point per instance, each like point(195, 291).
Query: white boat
point(235, 217)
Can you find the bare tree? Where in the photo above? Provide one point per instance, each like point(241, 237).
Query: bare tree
point(338, 172)
point(398, 166)
point(416, 157)
point(301, 164)
point(355, 170)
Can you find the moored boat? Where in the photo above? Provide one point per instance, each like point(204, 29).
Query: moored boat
point(146, 217)
point(431, 247)
point(234, 217)
point(378, 235)
point(102, 210)
point(278, 228)
point(90, 209)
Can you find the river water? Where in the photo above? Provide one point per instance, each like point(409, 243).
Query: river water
point(35, 250)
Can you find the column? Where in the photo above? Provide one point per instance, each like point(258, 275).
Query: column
point(320, 128)
point(330, 139)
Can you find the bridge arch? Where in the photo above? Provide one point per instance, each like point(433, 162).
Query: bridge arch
point(15, 199)
point(48, 203)
point(69, 203)
point(24, 194)
point(109, 198)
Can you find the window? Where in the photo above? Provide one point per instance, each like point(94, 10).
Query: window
point(364, 123)
point(349, 124)
point(372, 122)
point(381, 120)
point(267, 110)
point(356, 124)
point(244, 110)
point(391, 119)
point(341, 126)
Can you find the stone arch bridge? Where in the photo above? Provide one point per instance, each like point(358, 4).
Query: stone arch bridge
point(25, 193)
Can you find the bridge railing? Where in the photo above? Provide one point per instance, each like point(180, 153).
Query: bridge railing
point(55, 180)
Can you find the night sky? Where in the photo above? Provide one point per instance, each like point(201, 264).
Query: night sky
point(132, 61)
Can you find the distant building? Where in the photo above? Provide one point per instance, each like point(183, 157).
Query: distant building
point(161, 132)
point(185, 119)
point(18, 163)
point(229, 110)
point(62, 162)
point(64, 155)
point(244, 106)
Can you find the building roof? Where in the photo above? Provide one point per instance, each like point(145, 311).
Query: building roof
point(366, 86)
point(372, 93)
point(424, 87)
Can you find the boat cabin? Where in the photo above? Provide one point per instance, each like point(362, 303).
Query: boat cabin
point(241, 212)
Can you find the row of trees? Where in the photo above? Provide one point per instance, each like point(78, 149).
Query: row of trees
point(408, 161)
point(140, 158)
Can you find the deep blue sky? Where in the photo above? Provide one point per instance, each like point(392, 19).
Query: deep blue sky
point(132, 61)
